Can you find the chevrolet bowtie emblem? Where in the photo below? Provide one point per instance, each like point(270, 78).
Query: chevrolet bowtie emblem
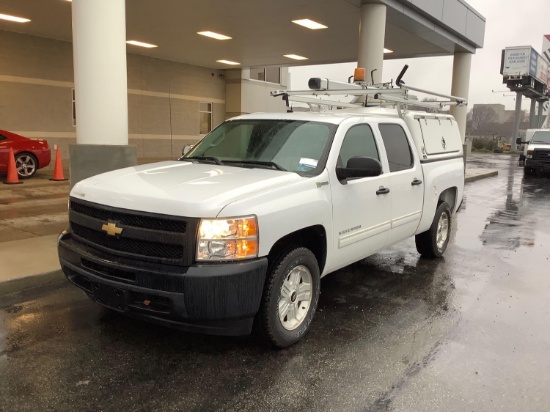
point(112, 229)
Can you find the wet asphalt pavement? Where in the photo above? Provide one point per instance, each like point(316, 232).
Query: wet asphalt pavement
point(394, 332)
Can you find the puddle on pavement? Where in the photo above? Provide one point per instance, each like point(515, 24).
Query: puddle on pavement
point(514, 219)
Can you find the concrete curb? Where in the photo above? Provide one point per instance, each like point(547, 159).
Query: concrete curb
point(481, 175)
point(32, 281)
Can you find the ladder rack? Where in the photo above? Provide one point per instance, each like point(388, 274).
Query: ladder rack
point(365, 95)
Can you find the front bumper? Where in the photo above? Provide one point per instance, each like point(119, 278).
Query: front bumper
point(219, 299)
point(543, 165)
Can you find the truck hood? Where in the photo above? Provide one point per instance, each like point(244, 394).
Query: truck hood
point(179, 188)
point(533, 146)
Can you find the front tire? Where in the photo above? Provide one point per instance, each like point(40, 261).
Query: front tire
point(433, 242)
point(290, 297)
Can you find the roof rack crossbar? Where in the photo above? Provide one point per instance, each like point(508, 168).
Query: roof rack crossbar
point(321, 102)
point(429, 104)
point(381, 93)
point(338, 92)
point(459, 101)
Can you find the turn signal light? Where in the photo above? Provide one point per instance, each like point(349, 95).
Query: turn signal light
point(359, 74)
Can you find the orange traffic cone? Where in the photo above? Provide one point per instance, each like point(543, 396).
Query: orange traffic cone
point(13, 177)
point(58, 168)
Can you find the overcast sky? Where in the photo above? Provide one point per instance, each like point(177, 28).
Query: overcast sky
point(508, 23)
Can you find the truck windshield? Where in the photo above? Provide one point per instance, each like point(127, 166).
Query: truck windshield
point(542, 137)
point(291, 145)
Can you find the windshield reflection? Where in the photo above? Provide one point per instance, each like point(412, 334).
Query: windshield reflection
point(286, 145)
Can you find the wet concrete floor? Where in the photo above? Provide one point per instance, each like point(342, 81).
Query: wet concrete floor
point(393, 332)
point(37, 207)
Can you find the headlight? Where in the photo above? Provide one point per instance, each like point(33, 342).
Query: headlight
point(228, 239)
point(529, 154)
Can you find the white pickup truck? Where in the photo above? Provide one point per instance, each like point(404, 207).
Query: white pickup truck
point(239, 231)
point(536, 151)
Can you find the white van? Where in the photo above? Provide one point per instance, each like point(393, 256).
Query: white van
point(536, 151)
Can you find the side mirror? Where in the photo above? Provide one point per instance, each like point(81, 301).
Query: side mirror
point(186, 149)
point(518, 141)
point(359, 166)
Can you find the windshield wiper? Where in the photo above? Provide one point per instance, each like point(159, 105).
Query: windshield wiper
point(207, 158)
point(259, 162)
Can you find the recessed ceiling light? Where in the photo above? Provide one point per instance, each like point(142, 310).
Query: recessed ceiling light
point(13, 18)
point(214, 35)
point(387, 50)
point(295, 57)
point(310, 24)
point(141, 44)
point(228, 62)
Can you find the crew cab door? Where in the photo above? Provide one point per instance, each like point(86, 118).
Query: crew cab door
point(361, 206)
point(406, 181)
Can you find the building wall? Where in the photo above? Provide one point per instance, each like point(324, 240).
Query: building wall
point(36, 83)
point(245, 95)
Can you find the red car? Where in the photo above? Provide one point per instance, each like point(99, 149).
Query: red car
point(30, 154)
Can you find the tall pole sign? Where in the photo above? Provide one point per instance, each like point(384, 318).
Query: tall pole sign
point(546, 46)
point(546, 54)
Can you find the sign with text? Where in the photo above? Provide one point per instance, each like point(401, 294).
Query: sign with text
point(517, 61)
point(524, 61)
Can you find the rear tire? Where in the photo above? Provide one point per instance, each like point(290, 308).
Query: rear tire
point(290, 298)
point(26, 165)
point(433, 242)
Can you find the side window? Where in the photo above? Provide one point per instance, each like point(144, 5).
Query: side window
point(2, 137)
point(205, 112)
point(358, 141)
point(397, 147)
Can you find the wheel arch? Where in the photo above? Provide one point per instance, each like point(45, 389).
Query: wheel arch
point(450, 196)
point(313, 238)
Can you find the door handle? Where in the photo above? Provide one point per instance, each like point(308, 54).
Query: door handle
point(416, 182)
point(382, 190)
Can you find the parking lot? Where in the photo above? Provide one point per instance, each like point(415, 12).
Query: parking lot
point(393, 332)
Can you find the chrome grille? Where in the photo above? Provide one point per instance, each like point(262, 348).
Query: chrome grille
point(144, 236)
point(542, 155)
point(126, 218)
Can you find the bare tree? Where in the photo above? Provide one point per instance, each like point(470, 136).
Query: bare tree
point(482, 120)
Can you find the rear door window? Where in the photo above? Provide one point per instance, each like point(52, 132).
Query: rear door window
point(397, 147)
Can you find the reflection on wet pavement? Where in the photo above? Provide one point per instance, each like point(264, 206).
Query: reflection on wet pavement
point(514, 218)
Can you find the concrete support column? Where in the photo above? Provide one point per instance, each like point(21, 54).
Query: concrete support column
point(539, 115)
point(532, 114)
point(101, 88)
point(372, 31)
point(462, 65)
point(517, 117)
